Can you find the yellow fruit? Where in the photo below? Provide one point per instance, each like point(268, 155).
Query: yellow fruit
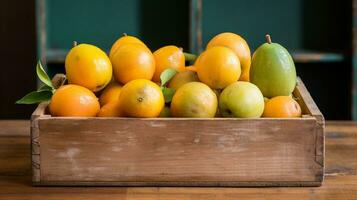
point(111, 109)
point(191, 68)
point(74, 101)
point(266, 100)
point(88, 66)
point(168, 57)
point(182, 78)
point(240, 48)
point(194, 99)
point(141, 98)
point(282, 107)
point(110, 93)
point(126, 39)
point(133, 61)
point(218, 67)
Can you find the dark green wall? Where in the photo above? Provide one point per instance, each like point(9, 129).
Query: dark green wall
point(253, 19)
point(156, 22)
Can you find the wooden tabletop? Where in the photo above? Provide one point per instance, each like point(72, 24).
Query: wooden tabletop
point(15, 180)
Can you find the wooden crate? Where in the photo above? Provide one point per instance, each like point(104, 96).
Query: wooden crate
point(179, 151)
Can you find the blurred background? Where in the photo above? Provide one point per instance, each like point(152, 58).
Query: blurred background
point(318, 34)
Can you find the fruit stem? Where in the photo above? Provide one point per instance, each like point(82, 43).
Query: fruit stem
point(124, 34)
point(75, 43)
point(189, 57)
point(268, 38)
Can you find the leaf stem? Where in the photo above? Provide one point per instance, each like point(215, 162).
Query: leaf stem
point(190, 57)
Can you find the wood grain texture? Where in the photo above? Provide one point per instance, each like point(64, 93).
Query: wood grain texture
point(132, 150)
point(309, 107)
point(340, 182)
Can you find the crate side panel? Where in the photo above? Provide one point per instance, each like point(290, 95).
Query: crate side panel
point(152, 150)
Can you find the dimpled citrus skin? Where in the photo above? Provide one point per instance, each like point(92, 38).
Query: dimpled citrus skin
point(240, 48)
point(218, 67)
point(110, 93)
point(191, 68)
point(282, 107)
point(111, 109)
point(194, 99)
point(133, 61)
point(182, 78)
point(141, 98)
point(241, 99)
point(74, 101)
point(126, 39)
point(168, 57)
point(88, 66)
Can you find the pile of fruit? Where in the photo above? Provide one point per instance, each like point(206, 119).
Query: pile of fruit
point(224, 81)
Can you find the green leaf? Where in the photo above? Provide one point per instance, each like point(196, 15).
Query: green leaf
point(44, 87)
point(42, 75)
point(36, 97)
point(166, 75)
point(168, 93)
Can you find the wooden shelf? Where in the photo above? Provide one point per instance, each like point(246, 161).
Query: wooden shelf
point(56, 55)
point(299, 56)
point(314, 57)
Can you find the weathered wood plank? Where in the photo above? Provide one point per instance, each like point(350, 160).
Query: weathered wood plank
point(179, 150)
point(308, 106)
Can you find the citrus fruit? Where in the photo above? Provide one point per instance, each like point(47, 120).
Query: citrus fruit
point(191, 68)
point(240, 48)
point(282, 106)
point(241, 99)
point(125, 39)
point(111, 109)
point(133, 61)
point(182, 78)
point(194, 99)
point(168, 57)
point(110, 93)
point(141, 98)
point(74, 101)
point(88, 66)
point(218, 67)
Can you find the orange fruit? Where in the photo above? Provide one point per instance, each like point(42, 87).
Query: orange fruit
point(141, 98)
point(111, 109)
point(182, 78)
point(133, 61)
point(88, 66)
point(110, 93)
point(218, 67)
point(74, 101)
point(191, 68)
point(125, 39)
point(240, 48)
point(194, 99)
point(168, 57)
point(282, 107)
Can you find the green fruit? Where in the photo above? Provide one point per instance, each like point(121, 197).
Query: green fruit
point(241, 99)
point(273, 70)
